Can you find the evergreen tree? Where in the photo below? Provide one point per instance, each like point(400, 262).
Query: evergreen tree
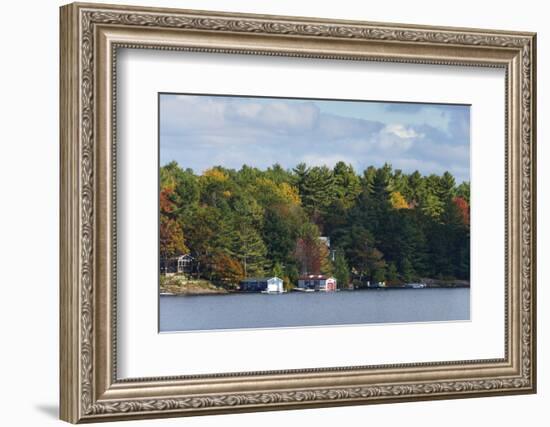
point(341, 270)
point(277, 270)
point(407, 271)
point(300, 173)
point(317, 190)
point(392, 273)
point(432, 206)
point(382, 184)
point(401, 184)
point(347, 185)
point(386, 224)
point(367, 181)
point(415, 187)
point(463, 190)
point(279, 235)
point(447, 187)
point(250, 249)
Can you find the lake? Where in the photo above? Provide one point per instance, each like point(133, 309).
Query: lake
point(254, 310)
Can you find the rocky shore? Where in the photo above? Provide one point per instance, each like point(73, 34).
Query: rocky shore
point(180, 285)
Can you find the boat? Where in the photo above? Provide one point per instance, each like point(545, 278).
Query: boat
point(417, 285)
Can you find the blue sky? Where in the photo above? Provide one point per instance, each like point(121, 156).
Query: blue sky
point(201, 131)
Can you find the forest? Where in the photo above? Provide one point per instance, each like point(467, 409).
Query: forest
point(378, 225)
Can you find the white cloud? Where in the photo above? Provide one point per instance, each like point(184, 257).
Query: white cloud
point(202, 131)
point(401, 131)
point(289, 118)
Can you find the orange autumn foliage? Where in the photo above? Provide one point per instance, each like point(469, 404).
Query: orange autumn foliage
point(172, 242)
point(463, 209)
point(227, 269)
point(165, 200)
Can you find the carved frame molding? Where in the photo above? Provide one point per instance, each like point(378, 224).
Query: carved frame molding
point(90, 37)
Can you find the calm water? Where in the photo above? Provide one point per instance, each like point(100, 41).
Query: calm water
point(188, 313)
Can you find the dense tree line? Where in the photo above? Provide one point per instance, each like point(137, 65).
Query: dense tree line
point(383, 224)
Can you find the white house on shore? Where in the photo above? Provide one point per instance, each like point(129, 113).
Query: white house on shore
point(262, 284)
point(317, 282)
point(182, 264)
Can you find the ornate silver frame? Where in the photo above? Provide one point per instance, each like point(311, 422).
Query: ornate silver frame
point(90, 36)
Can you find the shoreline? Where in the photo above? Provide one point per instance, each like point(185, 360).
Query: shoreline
point(179, 286)
point(196, 291)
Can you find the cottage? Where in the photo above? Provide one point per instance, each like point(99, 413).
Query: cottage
point(326, 241)
point(262, 284)
point(182, 264)
point(317, 282)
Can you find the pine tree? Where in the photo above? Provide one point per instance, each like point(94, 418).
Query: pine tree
point(382, 185)
point(367, 181)
point(432, 206)
point(341, 270)
point(250, 249)
point(277, 270)
point(447, 187)
point(300, 173)
point(392, 273)
point(407, 271)
point(463, 190)
point(401, 184)
point(416, 187)
point(279, 235)
point(347, 185)
point(317, 190)
point(385, 222)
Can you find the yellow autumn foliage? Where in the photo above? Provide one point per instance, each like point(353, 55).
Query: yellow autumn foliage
point(283, 191)
point(215, 174)
point(398, 201)
point(289, 192)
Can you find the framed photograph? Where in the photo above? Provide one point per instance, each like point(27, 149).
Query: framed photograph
point(266, 212)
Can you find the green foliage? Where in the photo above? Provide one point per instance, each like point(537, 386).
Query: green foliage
point(341, 270)
point(317, 190)
point(463, 190)
point(379, 275)
point(347, 184)
point(387, 225)
point(407, 271)
point(277, 270)
point(250, 249)
point(292, 275)
point(392, 273)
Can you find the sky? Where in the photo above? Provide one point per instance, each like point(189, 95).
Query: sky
point(202, 131)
